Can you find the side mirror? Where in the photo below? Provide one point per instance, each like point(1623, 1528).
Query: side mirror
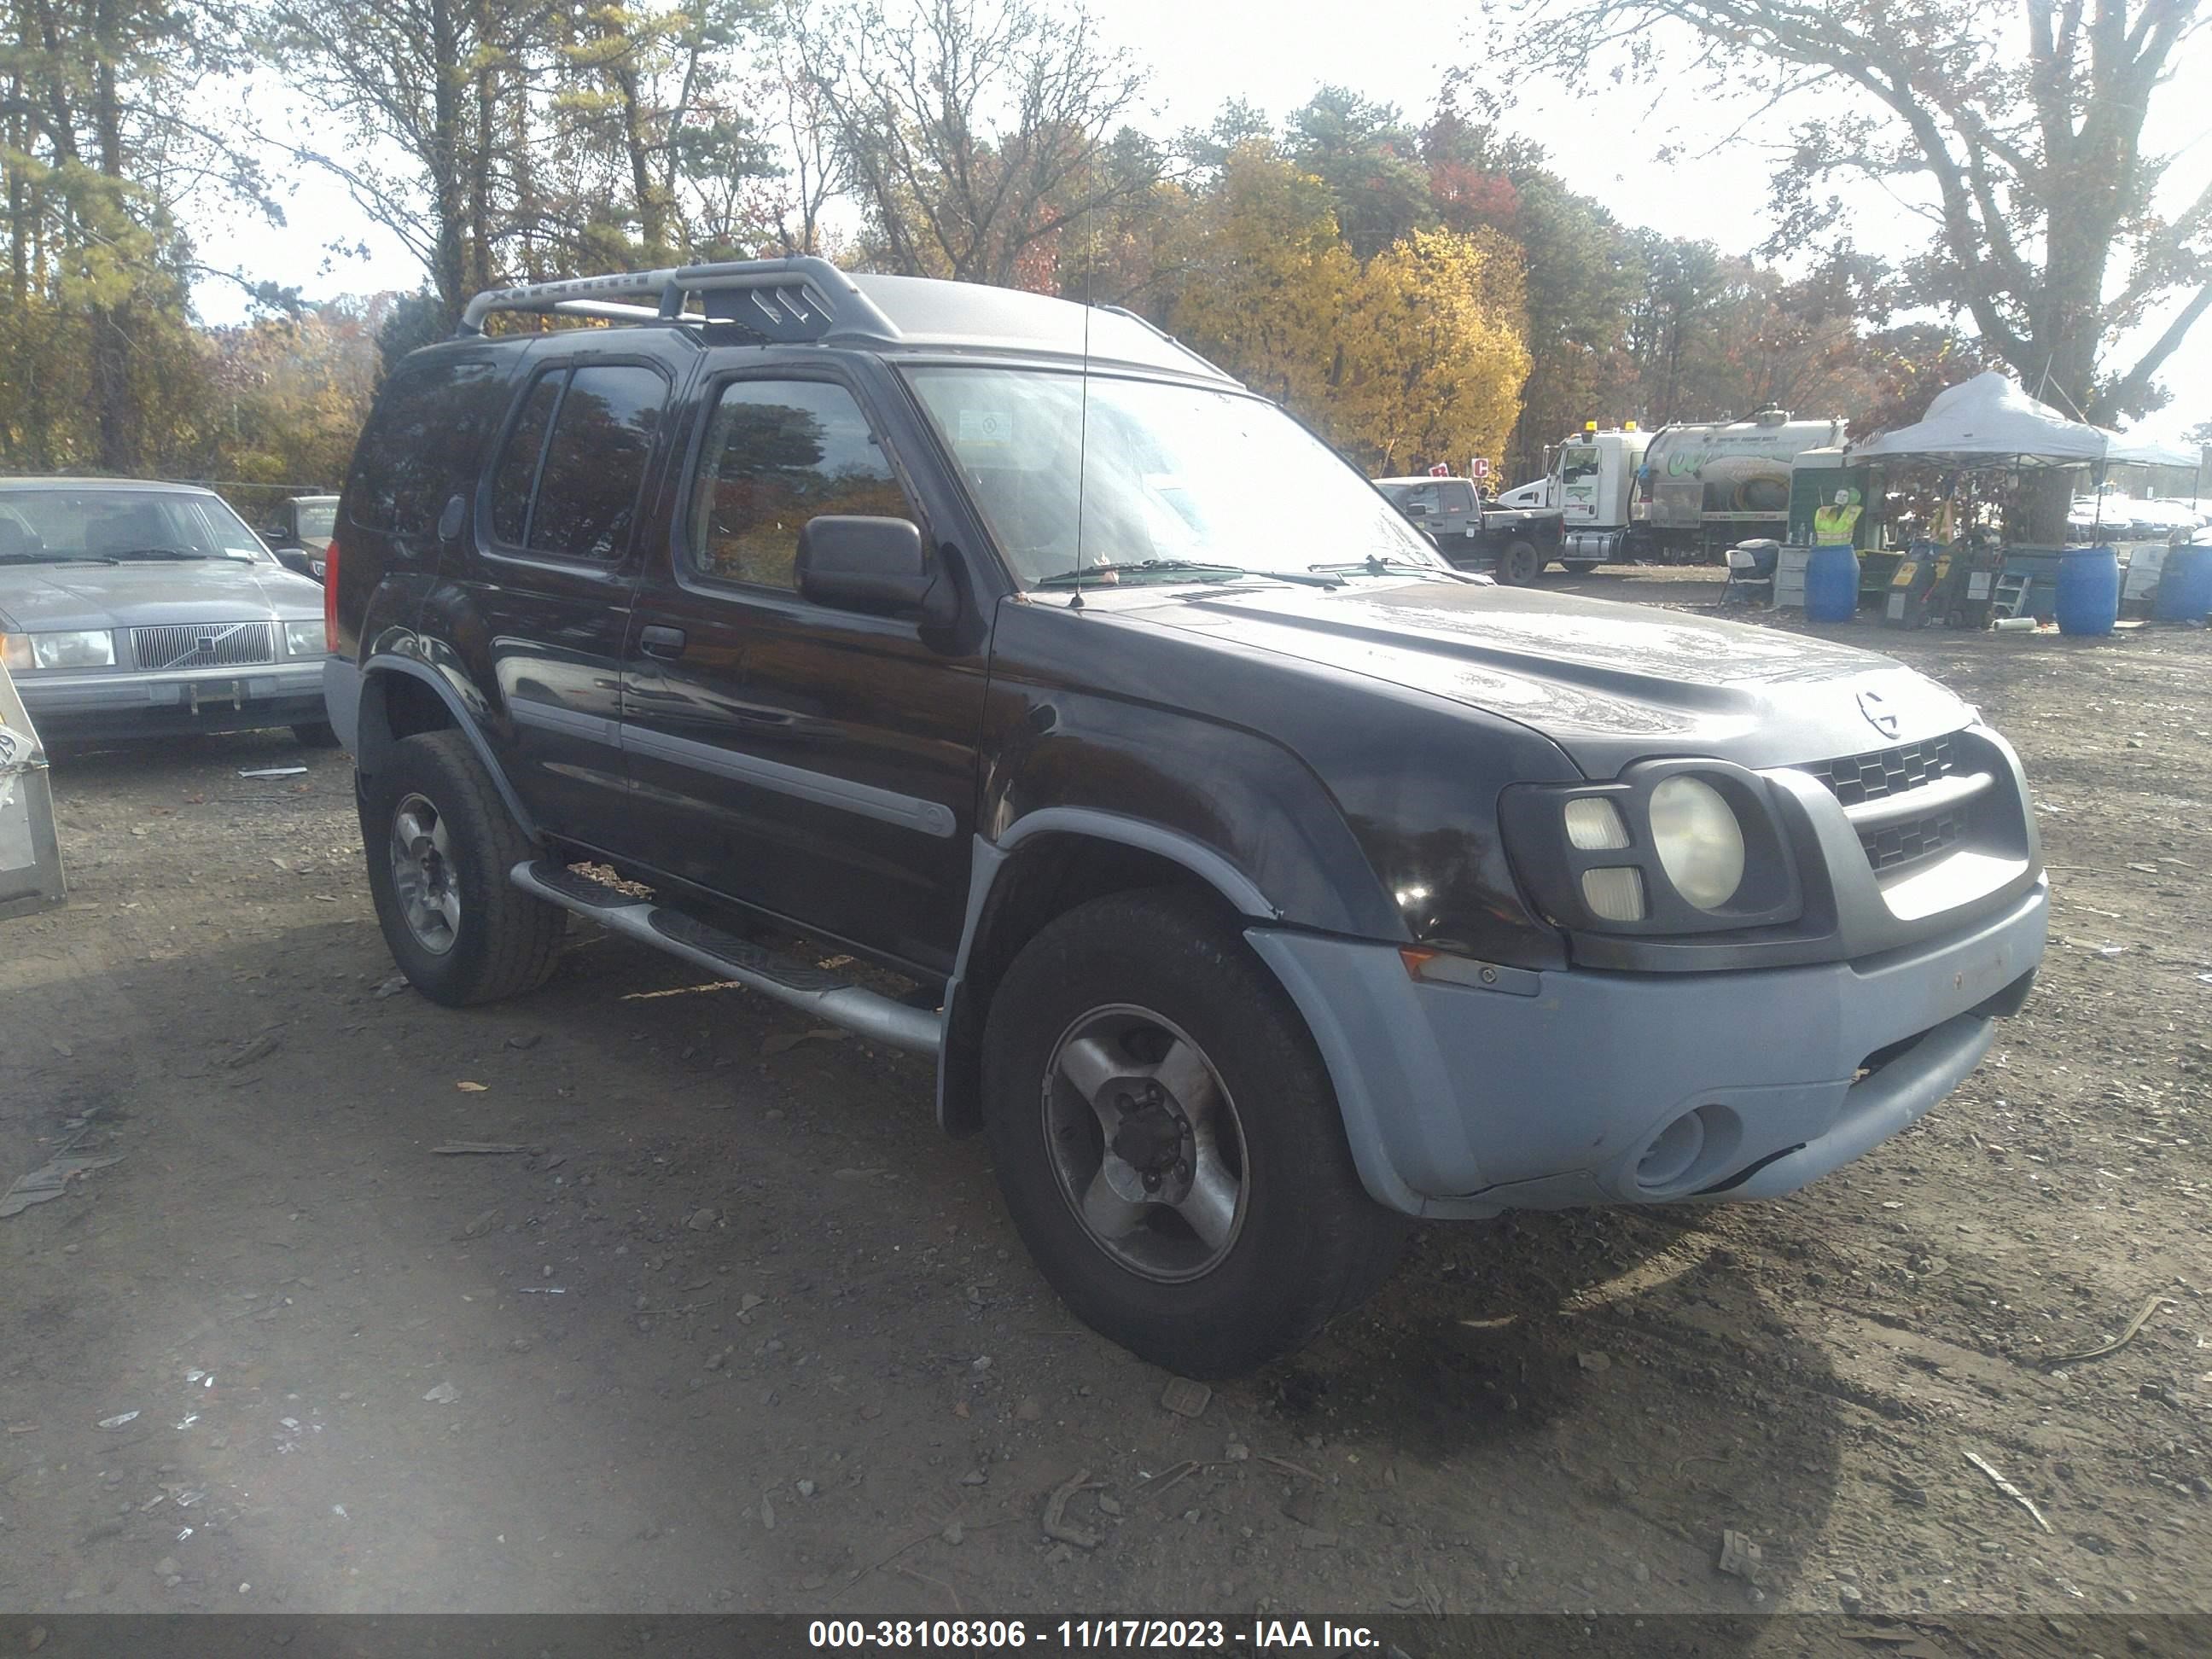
point(875, 565)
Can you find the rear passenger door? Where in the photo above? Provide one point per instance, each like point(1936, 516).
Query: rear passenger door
point(559, 528)
point(815, 764)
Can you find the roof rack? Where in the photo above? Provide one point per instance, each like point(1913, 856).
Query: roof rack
point(781, 300)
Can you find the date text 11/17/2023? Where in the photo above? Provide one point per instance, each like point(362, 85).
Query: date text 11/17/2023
point(1096, 1635)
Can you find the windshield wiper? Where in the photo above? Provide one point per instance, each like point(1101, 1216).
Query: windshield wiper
point(1375, 565)
point(1204, 567)
point(148, 553)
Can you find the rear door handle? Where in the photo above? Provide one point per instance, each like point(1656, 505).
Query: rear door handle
point(664, 642)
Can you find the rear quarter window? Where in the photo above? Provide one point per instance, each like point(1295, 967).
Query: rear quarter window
point(422, 442)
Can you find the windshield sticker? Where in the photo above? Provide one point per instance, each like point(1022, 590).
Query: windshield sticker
point(986, 428)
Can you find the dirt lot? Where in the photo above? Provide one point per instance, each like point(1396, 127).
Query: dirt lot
point(738, 1330)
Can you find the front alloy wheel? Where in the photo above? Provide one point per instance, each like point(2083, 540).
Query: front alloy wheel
point(1145, 1143)
point(1167, 1139)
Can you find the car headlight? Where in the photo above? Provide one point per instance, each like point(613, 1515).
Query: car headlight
point(307, 639)
point(1698, 840)
point(90, 648)
point(1673, 847)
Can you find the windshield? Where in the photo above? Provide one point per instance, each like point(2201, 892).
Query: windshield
point(58, 525)
point(316, 520)
point(1185, 479)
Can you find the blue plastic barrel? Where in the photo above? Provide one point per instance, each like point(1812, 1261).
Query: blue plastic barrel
point(2185, 585)
point(2088, 590)
point(1832, 585)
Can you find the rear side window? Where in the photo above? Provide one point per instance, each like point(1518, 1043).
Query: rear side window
point(427, 432)
point(569, 475)
point(778, 452)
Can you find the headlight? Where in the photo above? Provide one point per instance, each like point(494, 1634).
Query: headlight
point(1698, 840)
point(92, 648)
point(1666, 847)
point(307, 639)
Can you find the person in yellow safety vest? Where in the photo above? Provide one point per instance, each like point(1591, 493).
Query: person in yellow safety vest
point(1832, 525)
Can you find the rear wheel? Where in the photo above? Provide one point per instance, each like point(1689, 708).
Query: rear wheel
point(1519, 563)
point(1167, 1142)
point(440, 843)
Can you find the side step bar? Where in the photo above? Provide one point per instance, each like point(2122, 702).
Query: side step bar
point(819, 992)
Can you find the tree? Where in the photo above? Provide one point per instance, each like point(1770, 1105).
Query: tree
point(1369, 158)
point(435, 85)
point(1268, 276)
point(646, 82)
point(1581, 271)
point(1430, 360)
point(970, 130)
point(2027, 143)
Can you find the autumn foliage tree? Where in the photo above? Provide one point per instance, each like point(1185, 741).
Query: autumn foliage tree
point(1415, 356)
point(1430, 358)
point(2021, 129)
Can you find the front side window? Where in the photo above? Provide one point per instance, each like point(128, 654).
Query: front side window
point(1578, 463)
point(1187, 478)
point(777, 454)
point(572, 492)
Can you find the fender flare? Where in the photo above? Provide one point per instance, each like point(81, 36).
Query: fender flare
point(988, 859)
point(463, 717)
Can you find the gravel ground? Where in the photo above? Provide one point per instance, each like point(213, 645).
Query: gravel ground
point(727, 1325)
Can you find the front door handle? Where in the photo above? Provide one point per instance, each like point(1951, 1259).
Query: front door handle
point(664, 642)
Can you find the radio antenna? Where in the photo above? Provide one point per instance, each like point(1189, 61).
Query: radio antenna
point(1083, 413)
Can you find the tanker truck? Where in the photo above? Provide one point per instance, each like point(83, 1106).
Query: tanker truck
point(1686, 492)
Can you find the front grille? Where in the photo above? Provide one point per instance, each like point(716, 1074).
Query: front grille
point(1880, 773)
point(1902, 843)
point(1856, 778)
point(204, 645)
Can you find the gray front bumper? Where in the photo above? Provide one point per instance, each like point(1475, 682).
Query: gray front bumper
point(212, 699)
point(1461, 1102)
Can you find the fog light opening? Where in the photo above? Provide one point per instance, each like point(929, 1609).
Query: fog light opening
point(1673, 1154)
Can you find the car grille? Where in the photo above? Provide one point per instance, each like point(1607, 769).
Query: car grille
point(1859, 778)
point(1902, 843)
point(1880, 773)
point(204, 645)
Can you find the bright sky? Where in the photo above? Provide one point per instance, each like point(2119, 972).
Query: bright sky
point(1203, 54)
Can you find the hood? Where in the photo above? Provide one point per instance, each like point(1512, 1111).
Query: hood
point(1609, 682)
point(58, 598)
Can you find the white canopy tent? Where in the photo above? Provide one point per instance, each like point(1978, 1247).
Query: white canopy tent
point(1989, 422)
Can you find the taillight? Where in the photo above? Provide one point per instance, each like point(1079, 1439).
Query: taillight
point(331, 596)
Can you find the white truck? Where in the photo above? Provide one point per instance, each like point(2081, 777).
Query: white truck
point(1683, 493)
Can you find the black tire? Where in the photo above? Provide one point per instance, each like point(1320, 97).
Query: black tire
point(499, 941)
point(1308, 1243)
point(1519, 563)
point(316, 734)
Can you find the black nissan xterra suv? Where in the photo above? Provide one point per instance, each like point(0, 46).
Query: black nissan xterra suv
point(1265, 881)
